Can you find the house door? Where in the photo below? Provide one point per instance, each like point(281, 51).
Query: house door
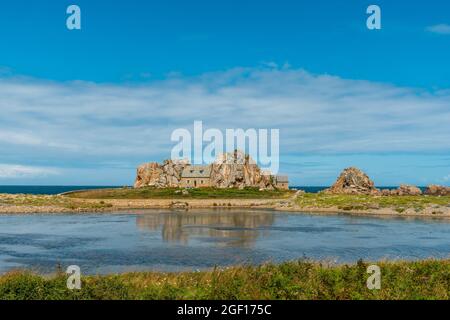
point(195, 183)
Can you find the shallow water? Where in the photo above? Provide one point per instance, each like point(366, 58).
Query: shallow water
point(178, 240)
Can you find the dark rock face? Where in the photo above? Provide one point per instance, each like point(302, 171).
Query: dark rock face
point(179, 205)
point(353, 181)
point(435, 190)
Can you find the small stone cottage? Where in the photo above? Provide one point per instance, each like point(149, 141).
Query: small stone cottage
point(282, 182)
point(196, 176)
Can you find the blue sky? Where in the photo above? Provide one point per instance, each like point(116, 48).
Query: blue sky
point(85, 107)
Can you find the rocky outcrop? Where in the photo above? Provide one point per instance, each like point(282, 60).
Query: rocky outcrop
point(406, 190)
point(353, 181)
point(238, 170)
point(435, 190)
point(167, 174)
point(230, 170)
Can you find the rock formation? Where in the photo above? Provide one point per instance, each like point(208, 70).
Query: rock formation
point(435, 190)
point(230, 170)
point(353, 181)
point(167, 174)
point(238, 170)
point(406, 190)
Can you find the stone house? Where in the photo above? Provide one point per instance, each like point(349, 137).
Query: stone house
point(282, 182)
point(232, 170)
point(196, 176)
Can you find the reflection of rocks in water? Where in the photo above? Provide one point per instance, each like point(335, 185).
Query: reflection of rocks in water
point(234, 227)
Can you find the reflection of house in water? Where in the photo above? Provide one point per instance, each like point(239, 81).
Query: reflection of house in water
point(224, 226)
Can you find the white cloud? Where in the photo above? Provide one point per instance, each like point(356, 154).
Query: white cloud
point(9, 171)
point(84, 124)
point(439, 28)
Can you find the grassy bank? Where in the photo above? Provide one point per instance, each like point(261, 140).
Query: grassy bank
point(366, 202)
point(145, 198)
point(293, 280)
point(49, 201)
point(177, 193)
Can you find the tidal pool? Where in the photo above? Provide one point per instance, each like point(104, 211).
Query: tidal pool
point(167, 240)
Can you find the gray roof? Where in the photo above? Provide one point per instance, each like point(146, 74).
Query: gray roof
point(196, 172)
point(282, 179)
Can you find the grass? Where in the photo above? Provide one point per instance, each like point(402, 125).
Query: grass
point(366, 202)
point(176, 193)
point(428, 279)
point(81, 200)
point(48, 201)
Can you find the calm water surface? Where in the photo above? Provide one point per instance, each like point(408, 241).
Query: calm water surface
point(178, 240)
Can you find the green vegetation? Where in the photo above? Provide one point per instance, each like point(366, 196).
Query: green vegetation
point(366, 202)
point(97, 200)
point(27, 200)
point(177, 193)
point(427, 279)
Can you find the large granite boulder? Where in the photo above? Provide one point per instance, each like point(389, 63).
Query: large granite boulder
point(167, 174)
point(238, 170)
point(147, 174)
point(353, 181)
point(435, 190)
point(406, 190)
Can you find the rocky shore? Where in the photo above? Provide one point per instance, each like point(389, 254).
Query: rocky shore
point(353, 181)
point(407, 206)
point(352, 193)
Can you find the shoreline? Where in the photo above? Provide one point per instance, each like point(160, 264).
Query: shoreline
point(84, 206)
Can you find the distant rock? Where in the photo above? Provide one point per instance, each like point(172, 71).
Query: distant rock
point(179, 205)
point(435, 190)
point(353, 181)
point(406, 190)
